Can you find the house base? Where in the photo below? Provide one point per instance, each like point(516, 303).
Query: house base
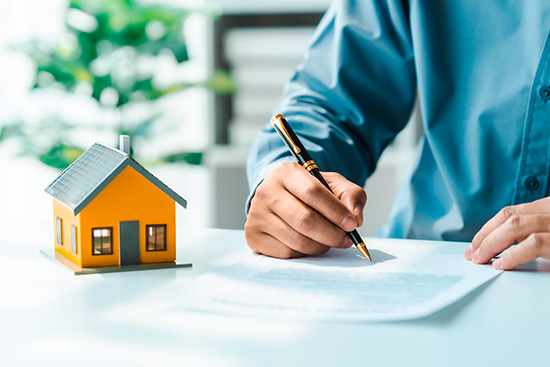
point(77, 270)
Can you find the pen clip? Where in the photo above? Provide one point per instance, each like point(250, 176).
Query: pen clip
point(279, 124)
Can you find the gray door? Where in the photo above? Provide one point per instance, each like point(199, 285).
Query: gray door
point(129, 242)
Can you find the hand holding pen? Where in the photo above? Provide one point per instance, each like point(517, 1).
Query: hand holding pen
point(293, 214)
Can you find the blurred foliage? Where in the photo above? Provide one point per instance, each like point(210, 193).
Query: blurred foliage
point(107, 45)
point(60, 155)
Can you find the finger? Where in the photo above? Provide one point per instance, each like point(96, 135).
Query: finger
point(280, 214)
point(536, 245)
point(307, 222)
point(490, 226)
point(536, 207)
point(352, 195)
point(313, 193)
point(260, 218)
point(270, 246)
point(515, 229)
point(297, 241)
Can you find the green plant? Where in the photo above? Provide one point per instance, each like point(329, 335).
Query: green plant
point(109, 54)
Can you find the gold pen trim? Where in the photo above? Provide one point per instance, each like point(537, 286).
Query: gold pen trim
point(310, 167)
point(277, 121)
point(278, 124)
point(363, 249)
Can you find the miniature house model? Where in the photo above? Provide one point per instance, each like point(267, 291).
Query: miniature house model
point(109, 211)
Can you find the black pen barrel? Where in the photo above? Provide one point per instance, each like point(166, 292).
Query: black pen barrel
point(317, 173)
point(355, 237)
point(302, 156)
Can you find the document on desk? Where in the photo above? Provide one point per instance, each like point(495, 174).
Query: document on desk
point(404, 282)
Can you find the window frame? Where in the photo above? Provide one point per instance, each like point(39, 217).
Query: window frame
point(74, 239)
point(155, 226)
point(59, 230)
point(110, 229)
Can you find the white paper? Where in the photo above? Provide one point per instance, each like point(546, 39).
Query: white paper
point(404, 282)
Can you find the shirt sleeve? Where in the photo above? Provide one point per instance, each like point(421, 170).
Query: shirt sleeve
point(352, 95)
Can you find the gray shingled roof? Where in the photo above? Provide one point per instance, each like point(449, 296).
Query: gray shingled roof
point(86, 177)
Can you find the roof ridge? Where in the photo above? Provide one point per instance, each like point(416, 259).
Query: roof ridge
point(90, 173)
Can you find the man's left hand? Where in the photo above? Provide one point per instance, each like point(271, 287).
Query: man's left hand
point(528, 225)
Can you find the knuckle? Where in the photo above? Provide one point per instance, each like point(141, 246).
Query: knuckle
point(334, 175)
point(271, 201)
point(514, 221)
point(312, 188)
point(362, 192)
point(262, 192)
point(361, 195)
point(282, 168)
point(285, 166)
point(280, 173)
point(356, 190)
point(305, 221)
point(288, 169)
point(256, 213)
point(537, 241)
point(249, 228)
point(507, 211)
point(264, 199)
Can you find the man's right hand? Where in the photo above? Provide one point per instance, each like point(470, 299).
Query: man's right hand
point(292, 214)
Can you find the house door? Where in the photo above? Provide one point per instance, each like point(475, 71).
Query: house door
point(129, 242)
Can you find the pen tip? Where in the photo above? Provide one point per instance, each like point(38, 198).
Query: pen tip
point(363, 249)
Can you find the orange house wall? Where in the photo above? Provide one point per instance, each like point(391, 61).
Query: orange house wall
point(129, 197)
point(66, 215)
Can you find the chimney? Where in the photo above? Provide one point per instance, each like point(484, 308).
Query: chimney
point(124, 144)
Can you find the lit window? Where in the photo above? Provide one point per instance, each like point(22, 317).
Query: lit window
point(73, 240)
point(102, 241)
point(59, 230)
point(156, 237)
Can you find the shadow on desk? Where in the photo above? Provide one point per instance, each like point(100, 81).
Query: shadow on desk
point(449, 313)
point(537, 266)
point(353, 259)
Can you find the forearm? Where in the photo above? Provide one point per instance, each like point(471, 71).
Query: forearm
point(352, 95)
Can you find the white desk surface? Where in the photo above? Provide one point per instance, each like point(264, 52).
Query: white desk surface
point(50, 317)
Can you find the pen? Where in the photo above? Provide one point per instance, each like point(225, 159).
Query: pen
point(302, 156)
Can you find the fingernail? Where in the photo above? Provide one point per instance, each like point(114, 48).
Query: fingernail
point(475, 257)
point(348, 224)
point(497, 264)
point(347, 243)
point(468, 253)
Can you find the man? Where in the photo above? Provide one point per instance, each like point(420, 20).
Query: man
point(481, 73)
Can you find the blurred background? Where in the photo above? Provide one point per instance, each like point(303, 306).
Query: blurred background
point(191, 81)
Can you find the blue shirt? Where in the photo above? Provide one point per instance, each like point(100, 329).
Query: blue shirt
point(481, 72)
